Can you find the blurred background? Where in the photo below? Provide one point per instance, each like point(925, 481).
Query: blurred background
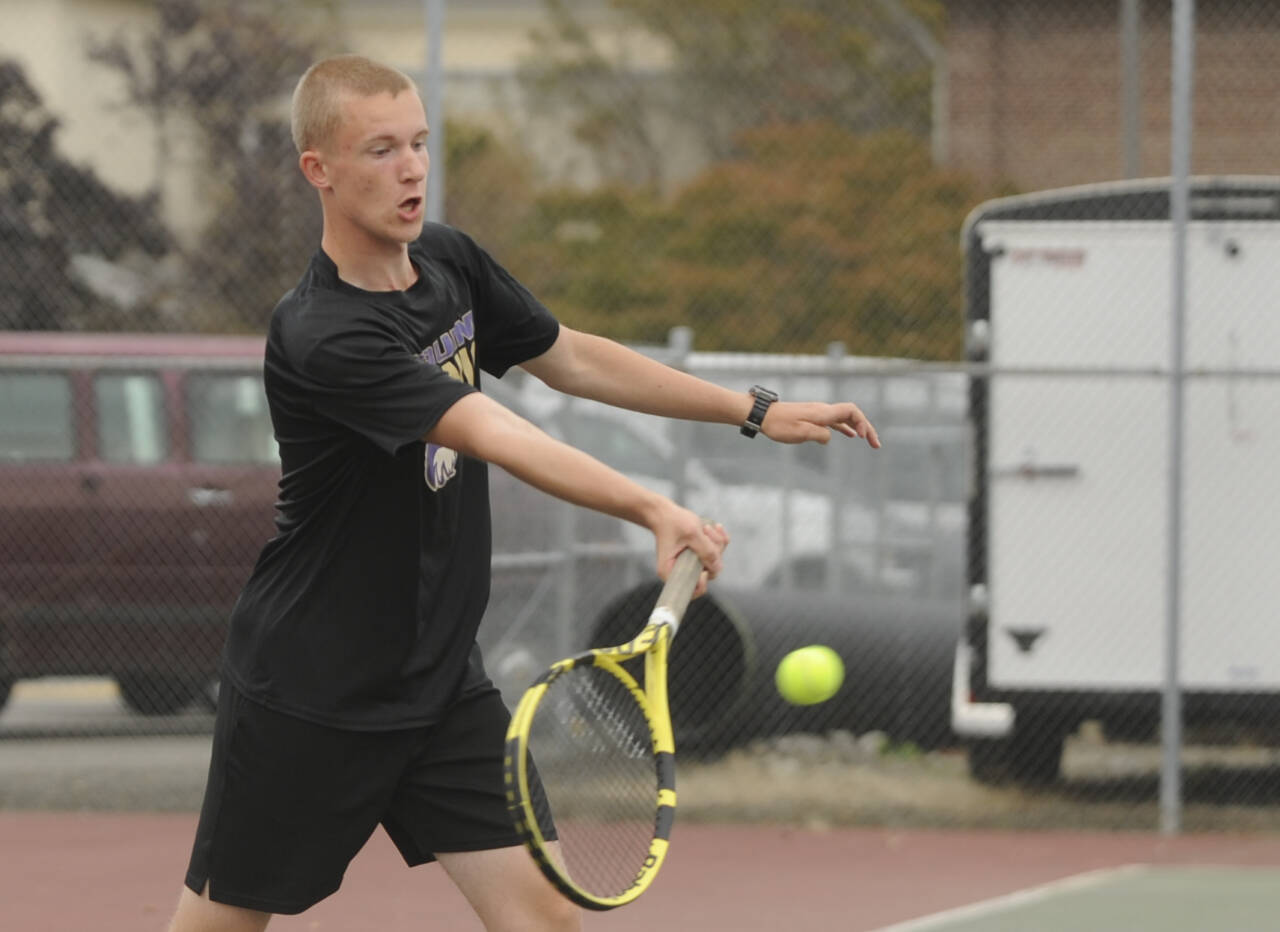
point(957, 213)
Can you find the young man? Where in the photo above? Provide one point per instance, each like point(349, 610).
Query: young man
point(353, 693)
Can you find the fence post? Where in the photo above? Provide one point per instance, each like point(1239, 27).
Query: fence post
point(836, 460)
point(567, 572)
point(433, 12)
point(680, 341)
point(1131, 86)
point(1171, 706)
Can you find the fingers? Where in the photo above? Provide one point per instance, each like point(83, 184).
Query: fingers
point(856, 425)
point(801, 422)
point(719, 539)
point(714, 540)
point(868, 433)
point(705, 538)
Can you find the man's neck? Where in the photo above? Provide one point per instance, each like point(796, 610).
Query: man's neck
point(371, 266)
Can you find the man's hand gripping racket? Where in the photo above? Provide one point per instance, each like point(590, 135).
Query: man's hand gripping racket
point(590, 760)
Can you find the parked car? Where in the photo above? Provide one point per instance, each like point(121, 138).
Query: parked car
point(901, 511)
point(138, 475)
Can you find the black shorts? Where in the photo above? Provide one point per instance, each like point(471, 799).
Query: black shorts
point(289, 803)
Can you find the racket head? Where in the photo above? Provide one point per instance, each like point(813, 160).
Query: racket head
point(590, 782)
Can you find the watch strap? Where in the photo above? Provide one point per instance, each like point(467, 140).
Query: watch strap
point(755, 420)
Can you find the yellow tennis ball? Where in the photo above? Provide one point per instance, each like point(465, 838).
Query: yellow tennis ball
point(809, 675)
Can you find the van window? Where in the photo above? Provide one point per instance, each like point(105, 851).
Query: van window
point(229, 420)
point(131, 421)
point(35, 417)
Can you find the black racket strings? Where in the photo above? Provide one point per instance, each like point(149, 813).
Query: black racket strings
point(591, 746)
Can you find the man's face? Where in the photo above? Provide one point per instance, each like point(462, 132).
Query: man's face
point(377, 166)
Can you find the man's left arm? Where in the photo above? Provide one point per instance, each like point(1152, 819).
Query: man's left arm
point(589, 366)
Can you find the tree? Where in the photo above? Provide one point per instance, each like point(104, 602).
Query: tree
point(224, 69)
point(732, 65)
point(52, 213)
point(478, 164)
point(812, 234)
point(818, 234)
point(817, 215)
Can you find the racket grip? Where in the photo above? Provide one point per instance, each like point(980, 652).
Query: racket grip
point(681, 582)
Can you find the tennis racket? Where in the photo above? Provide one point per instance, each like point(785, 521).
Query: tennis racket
point(590, 761)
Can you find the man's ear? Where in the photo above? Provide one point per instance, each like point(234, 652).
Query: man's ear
point(313, 169)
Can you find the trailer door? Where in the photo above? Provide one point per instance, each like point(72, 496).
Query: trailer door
point(1077, 462)
point(1231, 510)
point(1076, 496)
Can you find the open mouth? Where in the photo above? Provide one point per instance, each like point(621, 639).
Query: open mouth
point(410, 207)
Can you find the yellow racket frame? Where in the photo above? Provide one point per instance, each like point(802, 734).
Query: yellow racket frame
point(653, 643)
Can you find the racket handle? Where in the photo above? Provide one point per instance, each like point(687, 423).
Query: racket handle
point(677, 592)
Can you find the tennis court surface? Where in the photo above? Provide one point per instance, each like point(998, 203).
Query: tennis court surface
point(1135, 896)
point(113, 872)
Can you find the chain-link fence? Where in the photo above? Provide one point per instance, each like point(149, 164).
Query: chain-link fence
point(955, 213)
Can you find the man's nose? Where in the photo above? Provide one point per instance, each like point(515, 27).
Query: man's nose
point(414, 166)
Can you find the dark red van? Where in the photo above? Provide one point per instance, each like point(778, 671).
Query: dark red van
point(138, 476)
point(137, 481)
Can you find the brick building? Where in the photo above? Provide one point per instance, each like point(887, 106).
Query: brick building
point(1036, 90)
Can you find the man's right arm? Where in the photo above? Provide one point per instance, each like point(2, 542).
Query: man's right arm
point(479, 427)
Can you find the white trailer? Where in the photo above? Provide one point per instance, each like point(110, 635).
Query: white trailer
point(1069, 307)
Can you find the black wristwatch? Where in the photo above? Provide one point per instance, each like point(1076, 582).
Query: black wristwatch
point(755, 419)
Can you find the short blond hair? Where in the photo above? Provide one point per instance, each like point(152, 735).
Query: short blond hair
point(316, 110)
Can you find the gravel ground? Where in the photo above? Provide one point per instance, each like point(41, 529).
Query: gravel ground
point(106, 758)
point(162, 774)
point(840, 779)
point(814, 781)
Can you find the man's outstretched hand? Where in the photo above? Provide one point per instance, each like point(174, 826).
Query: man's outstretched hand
point(803, 421)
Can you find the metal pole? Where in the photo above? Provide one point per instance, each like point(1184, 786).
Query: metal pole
point(1179, 204)
point(1130, 86)
point(836, 475)
point(940, 97)
point(680, 342)
point(433, 11)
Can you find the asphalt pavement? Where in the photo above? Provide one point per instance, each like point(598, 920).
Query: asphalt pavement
point(72, 744)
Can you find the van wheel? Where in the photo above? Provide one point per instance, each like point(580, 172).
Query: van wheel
point(158, 693)
point(7, 679)
point(1032, 757)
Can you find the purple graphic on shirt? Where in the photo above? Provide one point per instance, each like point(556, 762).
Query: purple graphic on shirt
point(454, 352)
point(441, 465)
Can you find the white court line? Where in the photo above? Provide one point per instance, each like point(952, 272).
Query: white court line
point(1009, 901)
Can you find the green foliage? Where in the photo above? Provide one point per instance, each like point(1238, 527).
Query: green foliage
point(813, 234)
point(818, 215)
point(477, 165)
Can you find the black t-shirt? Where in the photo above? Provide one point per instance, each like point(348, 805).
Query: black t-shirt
point(362, 611)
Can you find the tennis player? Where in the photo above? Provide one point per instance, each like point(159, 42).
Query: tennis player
point(353, 693)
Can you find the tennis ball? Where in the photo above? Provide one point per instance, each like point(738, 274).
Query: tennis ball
point(809, 675)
